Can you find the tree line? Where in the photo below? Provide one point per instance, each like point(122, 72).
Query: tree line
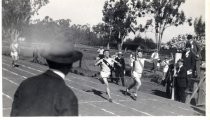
point(120, 17)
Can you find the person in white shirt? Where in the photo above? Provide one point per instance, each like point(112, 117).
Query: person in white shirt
point(132, 58)
point(138, 66)
point(106, 65)
point(100, 52)
point(14, 47)
point(165, 63)
point(155, 57)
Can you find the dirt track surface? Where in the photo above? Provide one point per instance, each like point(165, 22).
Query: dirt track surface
point(92, 99)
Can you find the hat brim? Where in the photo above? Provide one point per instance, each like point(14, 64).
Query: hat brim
point(64, 58)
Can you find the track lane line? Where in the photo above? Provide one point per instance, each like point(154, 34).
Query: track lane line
point(11, 81)
point(7, 96)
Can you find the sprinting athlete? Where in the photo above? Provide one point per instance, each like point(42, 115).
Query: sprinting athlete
point(106, 65)
point(138, 66)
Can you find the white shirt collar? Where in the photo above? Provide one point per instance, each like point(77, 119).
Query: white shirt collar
point(59, 73)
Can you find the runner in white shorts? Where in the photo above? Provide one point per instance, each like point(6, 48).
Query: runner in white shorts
point(14, 53)
point(138, 66)
point(106, 65)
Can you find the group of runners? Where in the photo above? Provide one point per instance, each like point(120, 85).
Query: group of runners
point(107, 63)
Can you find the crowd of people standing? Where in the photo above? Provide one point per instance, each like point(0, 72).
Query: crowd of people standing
point(178, 72)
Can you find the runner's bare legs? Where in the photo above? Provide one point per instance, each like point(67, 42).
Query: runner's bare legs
point(107, 88)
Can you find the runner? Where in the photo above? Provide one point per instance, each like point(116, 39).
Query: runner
point(106, 65)
point(138, 66)
point(14, 47)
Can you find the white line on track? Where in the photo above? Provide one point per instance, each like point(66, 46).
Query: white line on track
point(10, 81)
point(14, 73)
point(21, 69)
point(132, 108)
point(28, 67)
point(103, 109)
point(104, 101)
point(30, 64)
point(7, 96)
point(7, 108)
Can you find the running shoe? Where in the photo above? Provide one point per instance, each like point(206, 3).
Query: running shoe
point(110, 100)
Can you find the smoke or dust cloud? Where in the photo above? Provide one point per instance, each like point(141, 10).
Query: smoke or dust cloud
point(51, 41)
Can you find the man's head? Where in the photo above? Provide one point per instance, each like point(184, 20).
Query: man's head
point(119, 54)
point(189, 37)
point(106, 53)
point(139, 54)
point(61, 57)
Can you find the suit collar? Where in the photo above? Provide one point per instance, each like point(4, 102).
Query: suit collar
point(51, 73)
point(58, 73)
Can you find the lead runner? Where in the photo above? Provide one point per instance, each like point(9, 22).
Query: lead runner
point(106, 66)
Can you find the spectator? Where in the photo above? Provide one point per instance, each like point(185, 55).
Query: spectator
point(195, 48)
point(120, 70)
point(155, 57)
point(47, 94)
point(14, 47)
point(165, 64)
point(189, 62)
point(180, 82)
point(100, 52)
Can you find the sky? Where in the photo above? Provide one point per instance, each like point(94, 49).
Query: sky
point(90, 12)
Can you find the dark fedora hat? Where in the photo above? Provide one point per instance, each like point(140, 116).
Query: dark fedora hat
point(61, 53)
point(189, 37)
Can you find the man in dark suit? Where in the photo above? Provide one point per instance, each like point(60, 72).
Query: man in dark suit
point(180, 82)
point(119, 70)
point(189, 63)
point(195, 48)
point(47, 94)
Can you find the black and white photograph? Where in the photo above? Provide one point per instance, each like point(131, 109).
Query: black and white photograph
point(89, 58)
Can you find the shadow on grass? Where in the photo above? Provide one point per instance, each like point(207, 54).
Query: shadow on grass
point(96, 92)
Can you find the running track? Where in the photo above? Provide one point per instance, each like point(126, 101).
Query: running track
point(92, 99)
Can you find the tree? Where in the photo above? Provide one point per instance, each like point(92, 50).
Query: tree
point(118, 19)
point(16, 14)
point(199, 26)
point(165, 13)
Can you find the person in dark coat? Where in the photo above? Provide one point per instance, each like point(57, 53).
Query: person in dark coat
point(196, 51)
point(189, 63)
point(180, 82)
point(47, 94)
point(119, 70)
point(188, 57)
